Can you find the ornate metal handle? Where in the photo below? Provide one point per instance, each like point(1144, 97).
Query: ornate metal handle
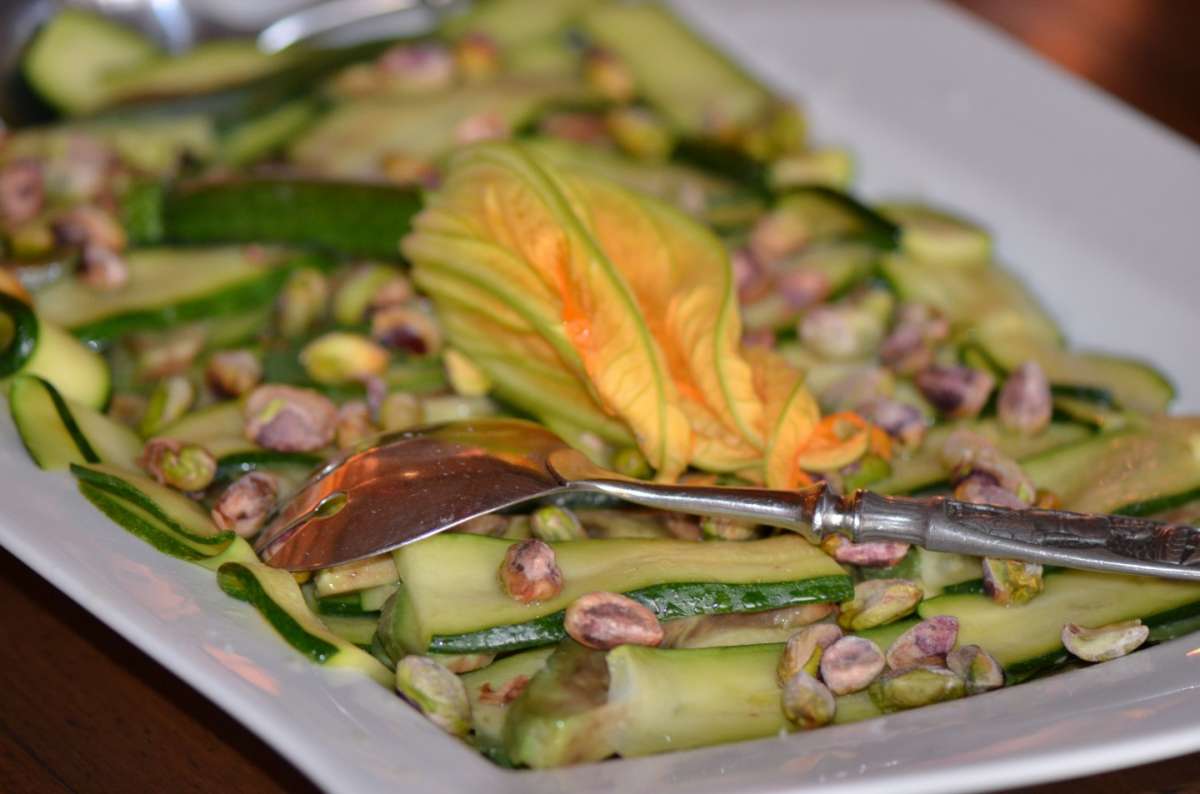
point(1118, 544)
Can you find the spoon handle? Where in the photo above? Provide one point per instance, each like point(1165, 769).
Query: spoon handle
point(1113, 544)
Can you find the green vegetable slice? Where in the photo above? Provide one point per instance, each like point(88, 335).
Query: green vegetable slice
point(451, 600)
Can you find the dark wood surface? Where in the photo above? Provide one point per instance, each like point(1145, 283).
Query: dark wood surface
point(81, 710)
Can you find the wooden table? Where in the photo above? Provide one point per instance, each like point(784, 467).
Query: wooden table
point(82, 710)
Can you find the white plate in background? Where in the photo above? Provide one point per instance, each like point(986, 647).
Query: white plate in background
point(1095, 206)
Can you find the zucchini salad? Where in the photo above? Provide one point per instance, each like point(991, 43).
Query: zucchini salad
point(223, 268)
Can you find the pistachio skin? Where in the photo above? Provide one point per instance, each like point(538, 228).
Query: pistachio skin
point(289, 419)
point(1024, 405)
point(244, 506)
point(914, 687)
point(804, 647)
point(957, 392)
point(877, 602)
point(1012, 582)
point(530, 572)
point(979, 669)
point(926, 643)
point(851, 664)
point(436, 692)
point(555, 524)
point(807, 703)
point(1104, 643)
point(232, 373)
point(605, 620)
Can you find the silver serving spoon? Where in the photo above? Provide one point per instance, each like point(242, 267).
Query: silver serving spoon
point(408, 486)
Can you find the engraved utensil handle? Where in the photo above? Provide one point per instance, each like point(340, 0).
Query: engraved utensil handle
point(1113, 544)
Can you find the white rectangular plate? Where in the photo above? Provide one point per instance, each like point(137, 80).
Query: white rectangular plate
point(1092, 204)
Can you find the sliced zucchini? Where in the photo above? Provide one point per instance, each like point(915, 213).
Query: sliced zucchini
point(353, 139)
point(277, 597)
point(1027, 639)
point(57, 432)
point(205, 68)
point(70, 57)
point(166, 286)
point(938, 238)
point(923, 469)
point(831, 215)
point(585, 705)
point(987, 299)
point(30, 345)
point(351, 218)
point(267, 134)
point(153, 146)
point(368, 601)
point(451, 600)
point(678, 73)
point(1110, 381)
point(166, 519)
point(358, 575)
point(1136, 471)
point(829, 167)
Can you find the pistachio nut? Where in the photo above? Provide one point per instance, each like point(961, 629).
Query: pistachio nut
point(553, 524)
point(879, 601)
point(340, 357)
point(807, 703)
point(955, 391)
point(170, 400)
point(530, 572)
point(289, 419)
point(232, 373)
point(777, 234)
point(857, 387)
point(1104, 642)
point(1024, 404)
point(402, 327)
point(244, 506)
point(353, 424)
point(354, 295)
point(851, 664)
point(981, 488)
point(802, 287)
point(979, 669)
point(926, 643)
point(187, 467)
point(1011, 582)
point(438, 693)
point(914, 687)
point(22, 191)
point(903, 422)
point(302, 301)
point(804, 648)
point(878, 554)
point(400, 411)
point(841, 331)
point(86, 225)
point(605, 620)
